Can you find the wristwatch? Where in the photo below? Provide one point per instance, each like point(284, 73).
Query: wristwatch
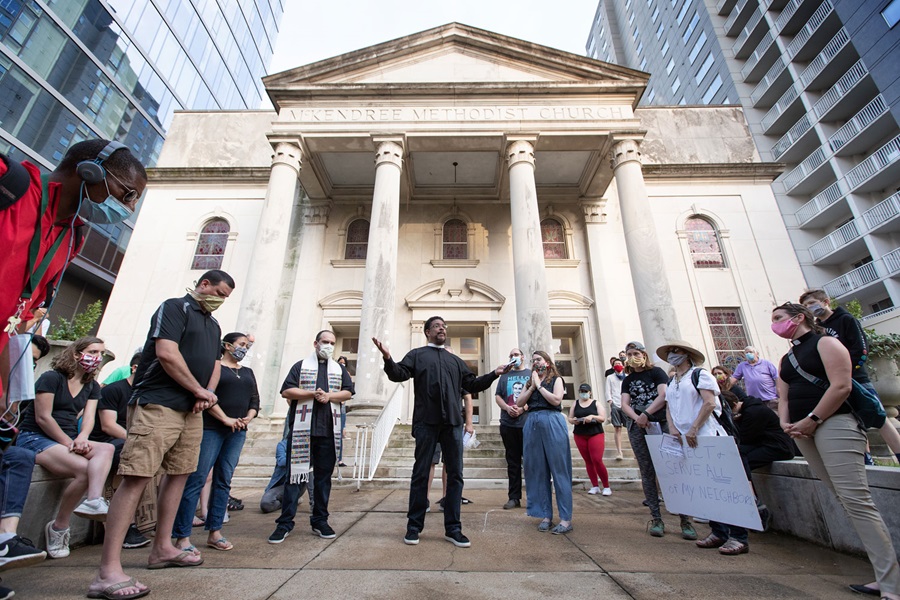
point(814, 417)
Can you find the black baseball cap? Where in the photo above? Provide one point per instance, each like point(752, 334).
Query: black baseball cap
point(584, 387)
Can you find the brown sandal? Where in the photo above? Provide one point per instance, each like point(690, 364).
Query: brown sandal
point(733, 547)
point(710, 541)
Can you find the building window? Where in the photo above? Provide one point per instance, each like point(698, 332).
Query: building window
point(670, 66)
point(456, 240)
point(698, 46)
point(349, 350)
point(711, 91)
point(703, 242)
point(683, 11)
point(704, 68)
point(659, 31)
point(655, 15)
point(690, 28)
point(676, 84)
point(211, 245)
point(651, 96)
point(665, 48)
point(553, 237)
point(891, 13)
point(357, 240)
point(729, 335)
point(643, 64)
point(640, 48)
point(564, 359)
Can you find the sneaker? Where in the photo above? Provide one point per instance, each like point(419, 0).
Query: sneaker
point(428, 506)
point(411, 538)
point(19, 552)
point(867, 459)
point(278, 535)
point(656, 528)
point(6, 593)
point(594, 491)
point(226, 518)
point(512, 504)
point(607, 492)
point(57, 541)
point(619, 456)
point(561, 529)
point(765, 517)
point(95, 509)
point(458, 539)
point(235, 504)
point(464, 500)
point(324, 531)
point(441, 505)
point(134, 538)
point(687, 530)
point(699, 520)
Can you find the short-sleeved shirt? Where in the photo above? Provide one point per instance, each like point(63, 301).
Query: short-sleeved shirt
point(113, 397)
point(118, 375)
point(322, 417)
point(198, 336)
point(65, 408)
point(685, 401)
point(643, 388)
point(237, 393)
point(509, 387)
point(759, 379)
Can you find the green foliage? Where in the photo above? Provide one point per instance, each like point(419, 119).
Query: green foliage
point(854, 308)
point(80, 326)
point(883, 345)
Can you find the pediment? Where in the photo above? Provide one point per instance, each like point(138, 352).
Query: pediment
point(472, 294)
point(454, 53)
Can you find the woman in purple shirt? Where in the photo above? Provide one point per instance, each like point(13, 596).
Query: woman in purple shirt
point(759, 377)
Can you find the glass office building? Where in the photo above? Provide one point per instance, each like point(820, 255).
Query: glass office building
point(818, 80)
point(78, 69)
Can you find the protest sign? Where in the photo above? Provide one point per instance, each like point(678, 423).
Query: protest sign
point(709, 482)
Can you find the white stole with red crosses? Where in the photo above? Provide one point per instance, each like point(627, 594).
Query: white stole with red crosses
point(300, 435)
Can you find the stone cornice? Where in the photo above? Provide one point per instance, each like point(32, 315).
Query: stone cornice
point(761, 171)
point(231, 174)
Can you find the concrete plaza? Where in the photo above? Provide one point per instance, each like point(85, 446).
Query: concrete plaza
point(608, 555)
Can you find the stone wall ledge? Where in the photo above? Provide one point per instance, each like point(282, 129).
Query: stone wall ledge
point(41, 506)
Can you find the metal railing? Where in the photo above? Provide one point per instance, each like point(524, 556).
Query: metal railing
point(883, 211)
point(803, 170)
point(735, 12)
point(786, 13)
point(766, 82)
point(853, 76)
point(748, 29)
point(865, 117)
point(761, 48)
point(838, 238)
point(855, 279)
point(372, 439)
point(841, 39)
point(804, 34)
point(819, 202)
point(881, 159)
point(880, 313)
point(793, 134)
point(786, 99)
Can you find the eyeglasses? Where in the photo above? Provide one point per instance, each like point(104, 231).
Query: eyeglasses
point(131, 195)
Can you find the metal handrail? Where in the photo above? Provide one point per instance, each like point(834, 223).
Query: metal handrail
point(853, 280)
point(838, 238)
point(766, 82)
point(880, 159)
point(807, 166)
point(754, 20)
point(883, 211)
point(865, 117)
point(786, 99)
point(764, 44)
point(372, 439)
point(786, 13)
point(841, 39)
point(804, 34)
point(737, 10)
point(819, 202)
point(880, 313)
point(892, 261)
point(793, 134)
point(853, 76)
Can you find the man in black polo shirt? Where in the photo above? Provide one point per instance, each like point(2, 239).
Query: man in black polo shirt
point(174, 383)
point(439, 377)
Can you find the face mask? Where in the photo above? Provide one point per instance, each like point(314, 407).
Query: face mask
point(541, 369)
point(675, 359)
point(238, 353)
point(750, 356)
point(618, 368)
point(720, 376)
point(209, 302)
point(516, 361)
point(325, 350)
point(818, 310)
point(584, 395)
point(636, 361)
point(785, 329)
point(107, 212)
point(90, 362)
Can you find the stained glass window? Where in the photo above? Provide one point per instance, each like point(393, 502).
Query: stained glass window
point(357, 240)
point(456, 240)
point(554, 238)
point(703, 242)
point(729, 335)
point(211, 245)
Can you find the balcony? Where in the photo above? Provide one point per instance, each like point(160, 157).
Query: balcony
point(883, 216)
point(750, 35)
point(809, 175)
point(793, 16)
point(739, 16)
point(878, 171)
point(813, 76)
point(766, 52)
point(845, 96)
point(838, 246)
point(862, 131)
point(787, 111)
point(771, 86)
point(856, 279)
point(892, 262)
point(806, 43)
point(814, 213)
point(801, 127)
point(723, 7)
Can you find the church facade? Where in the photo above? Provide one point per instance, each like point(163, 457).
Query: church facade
point(513, 189)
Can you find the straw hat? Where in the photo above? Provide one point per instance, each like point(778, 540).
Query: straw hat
point(695, 355)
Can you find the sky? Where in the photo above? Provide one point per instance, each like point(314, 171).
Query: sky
point(315, 30)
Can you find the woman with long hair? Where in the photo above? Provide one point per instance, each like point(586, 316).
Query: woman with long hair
point(727, 383)
point(50, 429)
point(828, 435)
point(224, 432)
point(546, 449)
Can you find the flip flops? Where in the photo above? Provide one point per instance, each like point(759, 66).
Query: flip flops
point(109, 592)
point(220, 544)
point(178, 561)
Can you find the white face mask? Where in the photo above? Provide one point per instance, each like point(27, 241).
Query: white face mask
point(324, 350)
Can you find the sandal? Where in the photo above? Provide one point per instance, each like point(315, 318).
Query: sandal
point(733, 547)
point(109, 592)
point(198, 522)
point(711, 541)
point(544, 526)
point(220, 544)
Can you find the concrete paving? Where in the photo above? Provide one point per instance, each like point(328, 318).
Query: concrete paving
point(608, 555)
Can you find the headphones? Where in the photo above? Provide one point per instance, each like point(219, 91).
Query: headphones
point(92, 171)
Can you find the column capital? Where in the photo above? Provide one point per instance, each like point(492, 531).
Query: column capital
point(389, 150)
point(287, 153)
point(317, 213)
point(625, 150)
point(594, 210)
point(519, 151)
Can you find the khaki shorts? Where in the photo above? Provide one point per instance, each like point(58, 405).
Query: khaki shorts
point(161, 437)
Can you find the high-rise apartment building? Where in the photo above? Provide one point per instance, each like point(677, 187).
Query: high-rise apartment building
point(117, 69)
point(819, 81)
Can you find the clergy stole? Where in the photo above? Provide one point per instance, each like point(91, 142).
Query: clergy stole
point(300, 435)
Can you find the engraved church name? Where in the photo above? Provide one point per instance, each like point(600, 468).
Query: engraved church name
point(467, 113)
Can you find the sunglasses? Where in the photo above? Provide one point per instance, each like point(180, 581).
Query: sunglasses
point(131, 195)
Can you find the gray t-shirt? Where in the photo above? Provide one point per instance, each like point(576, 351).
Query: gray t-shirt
point(509, 387)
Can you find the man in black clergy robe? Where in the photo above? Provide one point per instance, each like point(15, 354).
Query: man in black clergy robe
point(438, 375)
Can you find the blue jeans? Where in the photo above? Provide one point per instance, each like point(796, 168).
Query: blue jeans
point(15, 477)
point(219, 452)
point(547, 453)
point(427, 438)
point(724, 531)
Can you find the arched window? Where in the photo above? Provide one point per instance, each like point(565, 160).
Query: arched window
point(703, 242)
point(456, 240)
point(211, 245)
point(554, 238)
point(357, 240)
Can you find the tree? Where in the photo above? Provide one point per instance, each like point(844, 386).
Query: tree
point(81, 324)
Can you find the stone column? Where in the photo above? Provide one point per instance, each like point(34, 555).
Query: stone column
point(258, 314)
point(659, 322)
point(377, 318)
point(532, 301)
